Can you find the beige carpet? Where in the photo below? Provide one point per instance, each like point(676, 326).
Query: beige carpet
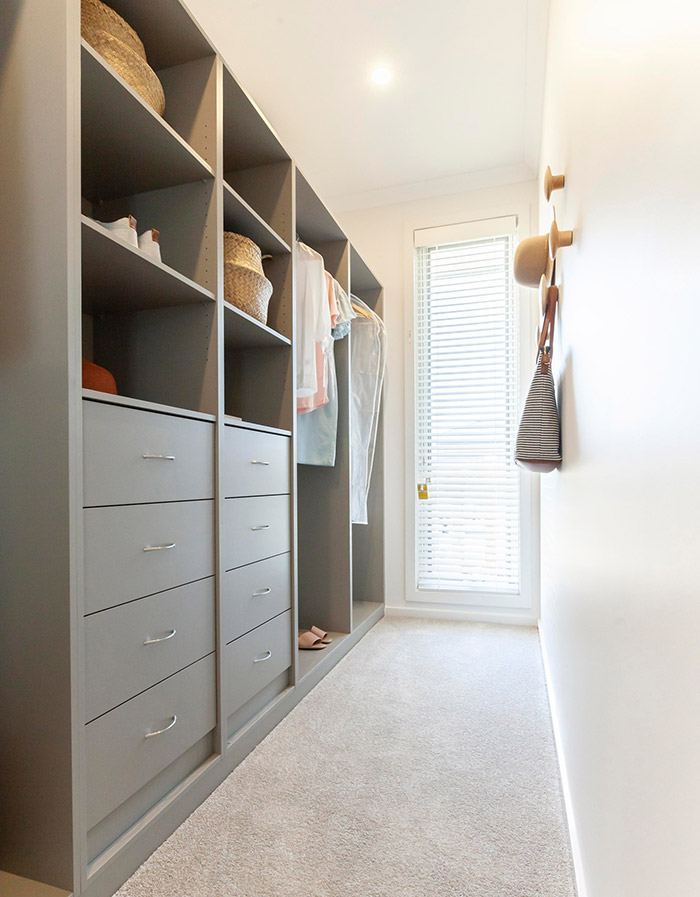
point(422, 766)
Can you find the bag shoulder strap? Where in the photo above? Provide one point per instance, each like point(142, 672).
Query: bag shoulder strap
point(546, 341)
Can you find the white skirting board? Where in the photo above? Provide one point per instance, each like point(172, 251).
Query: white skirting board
point(568, 803)
point(472, 615)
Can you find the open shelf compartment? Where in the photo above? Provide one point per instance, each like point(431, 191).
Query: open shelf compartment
point(307, 661)
point(314, 224)
point(256, 166)
point(243, 332)
point(119, 277)
point(368, 573)
point(127, 148)
point(241, 218)
point(159, 356)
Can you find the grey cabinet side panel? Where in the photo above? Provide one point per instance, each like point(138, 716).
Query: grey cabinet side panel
point(39, 351)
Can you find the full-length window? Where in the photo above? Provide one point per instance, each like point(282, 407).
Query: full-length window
point(466, 363)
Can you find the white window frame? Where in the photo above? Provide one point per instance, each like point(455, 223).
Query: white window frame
point(475, 604)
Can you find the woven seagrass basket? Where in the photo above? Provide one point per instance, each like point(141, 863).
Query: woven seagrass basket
point(242, 251)
point(137, 73)
point(245, 284)
point(247, 290)
point(95, 14)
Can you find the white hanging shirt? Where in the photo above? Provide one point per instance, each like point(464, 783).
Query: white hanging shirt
point(313, 316)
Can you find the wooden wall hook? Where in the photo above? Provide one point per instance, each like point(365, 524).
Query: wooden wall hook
point(544, 287)
point(558, 238)
point(547, 293)
point(552, 182)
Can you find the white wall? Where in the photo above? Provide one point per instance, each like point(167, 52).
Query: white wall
point(380, 236)
point(621, 531)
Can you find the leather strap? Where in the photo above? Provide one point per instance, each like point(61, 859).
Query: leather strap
point(547, 333)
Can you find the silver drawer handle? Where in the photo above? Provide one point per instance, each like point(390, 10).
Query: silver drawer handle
point(267, 656)
point(160, 547)
point(149, 457)
point(163, 638)
point(256, 528)
point(264, 463)
point(261, 592)
point(160, 731)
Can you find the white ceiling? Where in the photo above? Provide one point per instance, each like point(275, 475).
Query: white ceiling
point(463, 107)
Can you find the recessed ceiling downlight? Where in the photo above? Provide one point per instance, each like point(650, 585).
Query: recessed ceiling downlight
point(381, 75)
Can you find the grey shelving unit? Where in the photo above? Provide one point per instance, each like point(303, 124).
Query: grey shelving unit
point(148, 529)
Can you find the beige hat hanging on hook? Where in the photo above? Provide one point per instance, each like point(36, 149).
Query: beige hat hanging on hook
point(532, 261)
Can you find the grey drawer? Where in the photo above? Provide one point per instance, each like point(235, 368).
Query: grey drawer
point(178, 626)
point(253, 594)
point(121, 759)
point(255, 463)
point(255, 528)
point(255, 659)
point(135, 456)
point(118, 569)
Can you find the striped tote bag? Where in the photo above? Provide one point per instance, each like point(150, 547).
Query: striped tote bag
point(538, 445)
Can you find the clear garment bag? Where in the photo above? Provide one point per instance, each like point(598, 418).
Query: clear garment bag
point(368, 362)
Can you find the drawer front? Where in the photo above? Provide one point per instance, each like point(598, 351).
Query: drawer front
point(128, 551)
point(255, 659)
point(130, 648)
point(253, 594)
point(255, 463)
point(133, 456)
point(121, 758)
point(255, 528)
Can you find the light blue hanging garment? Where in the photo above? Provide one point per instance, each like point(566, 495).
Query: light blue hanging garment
point(346, 312)
point(317, 430)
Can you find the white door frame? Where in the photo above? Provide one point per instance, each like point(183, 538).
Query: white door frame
point(523, 607)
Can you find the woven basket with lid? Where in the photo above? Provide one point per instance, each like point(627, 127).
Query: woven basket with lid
point(245, 284)
point(96, 15)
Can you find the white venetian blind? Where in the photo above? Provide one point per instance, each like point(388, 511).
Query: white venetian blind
point(467, 402)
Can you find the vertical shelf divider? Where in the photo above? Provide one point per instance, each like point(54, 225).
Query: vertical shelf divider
point(219, 490)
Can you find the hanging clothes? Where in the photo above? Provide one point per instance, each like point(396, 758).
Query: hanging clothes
point(313, 322)
point(346, 312)
point(317, 428)
point(368, 361)
point(320, 397)
point(317, 431)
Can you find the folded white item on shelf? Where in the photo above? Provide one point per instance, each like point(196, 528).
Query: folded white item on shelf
point(124, 228)
point(149, 243)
